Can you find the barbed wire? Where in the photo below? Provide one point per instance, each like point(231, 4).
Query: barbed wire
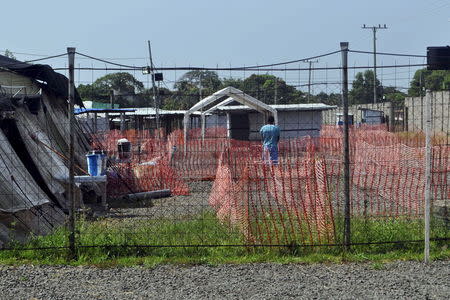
point(237, 69)
point(230, 68)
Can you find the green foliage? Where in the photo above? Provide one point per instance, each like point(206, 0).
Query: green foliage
point(330, 99)
point(393, 95)
point(362, 88)
point(237, 83)
point(362, 91)
point(208, 80)
point(187, 89)
point(436, 80)
point(124, 84)
point(264, 87)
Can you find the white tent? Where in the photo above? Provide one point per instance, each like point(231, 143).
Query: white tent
point(230, 94)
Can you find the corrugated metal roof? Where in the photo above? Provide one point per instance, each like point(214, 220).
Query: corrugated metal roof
point(78, 111)
point(284, 107)
point(145, 111)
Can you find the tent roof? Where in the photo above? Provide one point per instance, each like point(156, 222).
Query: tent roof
point(52, 81)
point(218, 105)
point(234, 94)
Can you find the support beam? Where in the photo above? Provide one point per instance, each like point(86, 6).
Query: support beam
point(228, 125)
point(427, 208)
point(122, 121)
point(95, 123)
point(107, 121)
point(346, 144)
point(203, 121)
point(71, 117)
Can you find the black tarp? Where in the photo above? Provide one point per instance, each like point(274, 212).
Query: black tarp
point(6, 103)
point(53, 82)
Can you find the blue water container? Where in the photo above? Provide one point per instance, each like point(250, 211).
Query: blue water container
point(96, 162)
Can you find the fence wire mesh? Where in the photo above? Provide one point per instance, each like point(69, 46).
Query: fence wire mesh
point(214, 187)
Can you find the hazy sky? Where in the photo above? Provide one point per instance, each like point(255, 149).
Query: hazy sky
point(211, 33)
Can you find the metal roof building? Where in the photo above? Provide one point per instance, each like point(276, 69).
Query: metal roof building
point(294, 120)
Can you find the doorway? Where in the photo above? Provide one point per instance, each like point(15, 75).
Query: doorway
point(239, 126)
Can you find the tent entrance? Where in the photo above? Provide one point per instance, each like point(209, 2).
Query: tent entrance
point(239, 126)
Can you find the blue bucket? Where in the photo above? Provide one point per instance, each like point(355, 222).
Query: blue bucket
point(96, 163)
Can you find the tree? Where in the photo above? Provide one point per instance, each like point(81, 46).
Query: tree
point(9, 54)
point(237, 83)
point(362, 88)
point(330, 99)
point(126, 86)
point(122, 82)
point(417, 85)
point(264, 87)
point(393, 95)
point(433, 80)
point(207, 80)
point(187, 89)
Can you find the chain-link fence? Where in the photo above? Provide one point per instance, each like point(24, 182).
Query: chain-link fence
point(201, 177)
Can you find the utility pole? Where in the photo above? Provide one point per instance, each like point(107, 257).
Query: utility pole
point(155, 100)
point(309, 77)
point(374, 30)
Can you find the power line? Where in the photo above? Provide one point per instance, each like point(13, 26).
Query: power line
point(110, 62)
point(387, 53)
point(45, 58)
point(230, 68)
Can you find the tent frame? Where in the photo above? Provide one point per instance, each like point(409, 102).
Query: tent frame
point(231, 94)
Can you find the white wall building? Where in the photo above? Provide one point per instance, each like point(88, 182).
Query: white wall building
point(294, 120)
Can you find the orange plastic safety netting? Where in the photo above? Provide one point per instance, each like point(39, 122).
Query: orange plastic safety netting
point(283, 204)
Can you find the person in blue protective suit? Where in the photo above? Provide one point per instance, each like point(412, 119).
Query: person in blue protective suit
point(270, 135)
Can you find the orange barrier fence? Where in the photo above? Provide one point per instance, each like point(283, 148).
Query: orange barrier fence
point(387, 176)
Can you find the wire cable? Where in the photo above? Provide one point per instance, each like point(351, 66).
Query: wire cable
point(287, 62)
point(110, 62)
point(243, 69)
point(203, 68)
point(386, 53)
point(44, 58)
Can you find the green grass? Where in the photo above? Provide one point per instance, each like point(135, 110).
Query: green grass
point(114, 235)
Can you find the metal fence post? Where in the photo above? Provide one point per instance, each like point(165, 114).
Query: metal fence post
point(427, 175)
point(344, 53)
point(71, 198)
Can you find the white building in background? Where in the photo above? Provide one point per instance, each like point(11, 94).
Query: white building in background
point(244, 121)
point(294, 120)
